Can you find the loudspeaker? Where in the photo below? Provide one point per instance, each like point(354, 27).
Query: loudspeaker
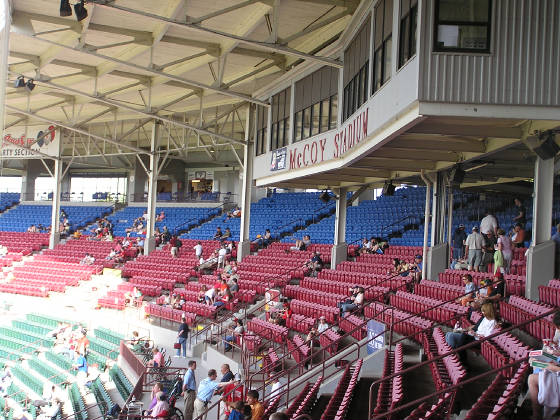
point(65, 9)
point(388, 189)
point(325, 197)
point(456, 175)
point(544, 145)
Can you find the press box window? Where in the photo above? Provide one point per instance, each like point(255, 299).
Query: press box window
point(408, 26)
point(462, 25)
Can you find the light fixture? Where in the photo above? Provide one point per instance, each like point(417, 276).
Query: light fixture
point(19, 82)
point(80, 10)
point(30, 85)
point(65, 9)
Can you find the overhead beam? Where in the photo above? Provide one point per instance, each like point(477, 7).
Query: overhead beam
point(118, 104)
point(189, 83)
point(266, 45)
point(438, 143)
point(220, 12)
point(400, 153)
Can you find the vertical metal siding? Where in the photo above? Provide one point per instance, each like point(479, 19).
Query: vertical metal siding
point(523, 67)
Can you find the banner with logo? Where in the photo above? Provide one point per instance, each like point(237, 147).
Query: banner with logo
point(376, 336)
point(25, 142)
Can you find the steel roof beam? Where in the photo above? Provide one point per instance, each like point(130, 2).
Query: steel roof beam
point(266, 45)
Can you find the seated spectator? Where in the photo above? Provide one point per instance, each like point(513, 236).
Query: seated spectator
point(356, 302)
point(299, 246)
point(77, 234)
point(518, 236)
point(316, 264)
point(470, 290)
point(223, 298)
point(81, 366)
point(161, 409)
point(306, 241)
point(263, 241)
point(364, 247)
point(416, 268)
point(5, 382)
point(226, 235)
point(211, 262)
point(235, 411)
point(395, 267)
point(550, 346)
point(156, 389)
point(87, 260)
point(311, 336)
point(323, 326)
point(233, 286)
point(236, 212)
point(3, 251)
point(157, 358)
point(165, 235)
point(218, 234)
point(235, 330)
point(482, 329)
point(257, 409)
point(210, 295)
point(201, 294)
point(32, 229)
point(161, 216)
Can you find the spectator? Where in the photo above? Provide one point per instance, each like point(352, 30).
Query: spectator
point(161, 408)
point(415, 269)
point(470, 290)
point(165, 235)
point(275, 387)
point(395, 268)
point(82, 345)
point(32, 229)
point(506, 247)
point(521, 217)
point(227, 374)
point(222, 256)
point(157, 388)
point(473, 249)
point(488, 250)
point(458, 240)
point(174, 246)
point(189, 389)
point(210, 295)
point(489, 224)
point(140, 245)
point(364, 247)
point(236, 330)
point(315, 264)
point(218, 234)
point(306, 240)
point(234, 287)
point(223, 298)
point(198, 250)
point(87, 260)
point(226, 235)
point(235, 410)
point(482, 329)
point(257, 409)
point(311, 336)
point(323, 326)
point(233, 395)
point(182, 336)
point(357, 302)
point(157, 358)
point(498, 291)
point(161, 216)
point(81, 366)
point(552, 348)
point(518, 236)
point(206, 390)
point(298, 246)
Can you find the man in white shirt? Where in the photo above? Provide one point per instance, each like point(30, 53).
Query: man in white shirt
point(473, 249)
point(210, 295)
point(222, 256)
point(489, 224)
point(198, 250)
point(275, 387)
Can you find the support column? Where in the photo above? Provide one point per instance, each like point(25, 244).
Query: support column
point(32, 170)
point(449, 218)
point(541, 253)
point(437, 255)
point(4, 52)
point(54, 238)
point(339, 251)
point(244, 247)
point(426, 227)
point(150, 242)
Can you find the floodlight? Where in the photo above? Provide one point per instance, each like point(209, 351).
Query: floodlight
point(30, 85)
point(19, 82)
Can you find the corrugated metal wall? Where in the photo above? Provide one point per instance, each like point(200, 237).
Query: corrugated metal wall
point(522, 69)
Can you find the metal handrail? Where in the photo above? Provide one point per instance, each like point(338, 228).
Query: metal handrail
point(454, 351)
point(178, 228)
point(396, 222)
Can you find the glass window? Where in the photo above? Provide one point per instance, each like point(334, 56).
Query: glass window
point(316, 115)
point(387, 47)
point(298, 126)
point(324, 125)
point(306, 123)
point(463, 25)
point(382, 59)
point(281, 138)
point(274, 137)
point(333, 111)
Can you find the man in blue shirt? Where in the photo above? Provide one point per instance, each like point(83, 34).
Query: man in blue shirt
point(82, 367)
point(205, 392)
point(458, 240)
point(189, 389)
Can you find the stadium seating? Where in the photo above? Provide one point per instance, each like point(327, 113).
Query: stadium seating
point(8, 200)
point(20, 218)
